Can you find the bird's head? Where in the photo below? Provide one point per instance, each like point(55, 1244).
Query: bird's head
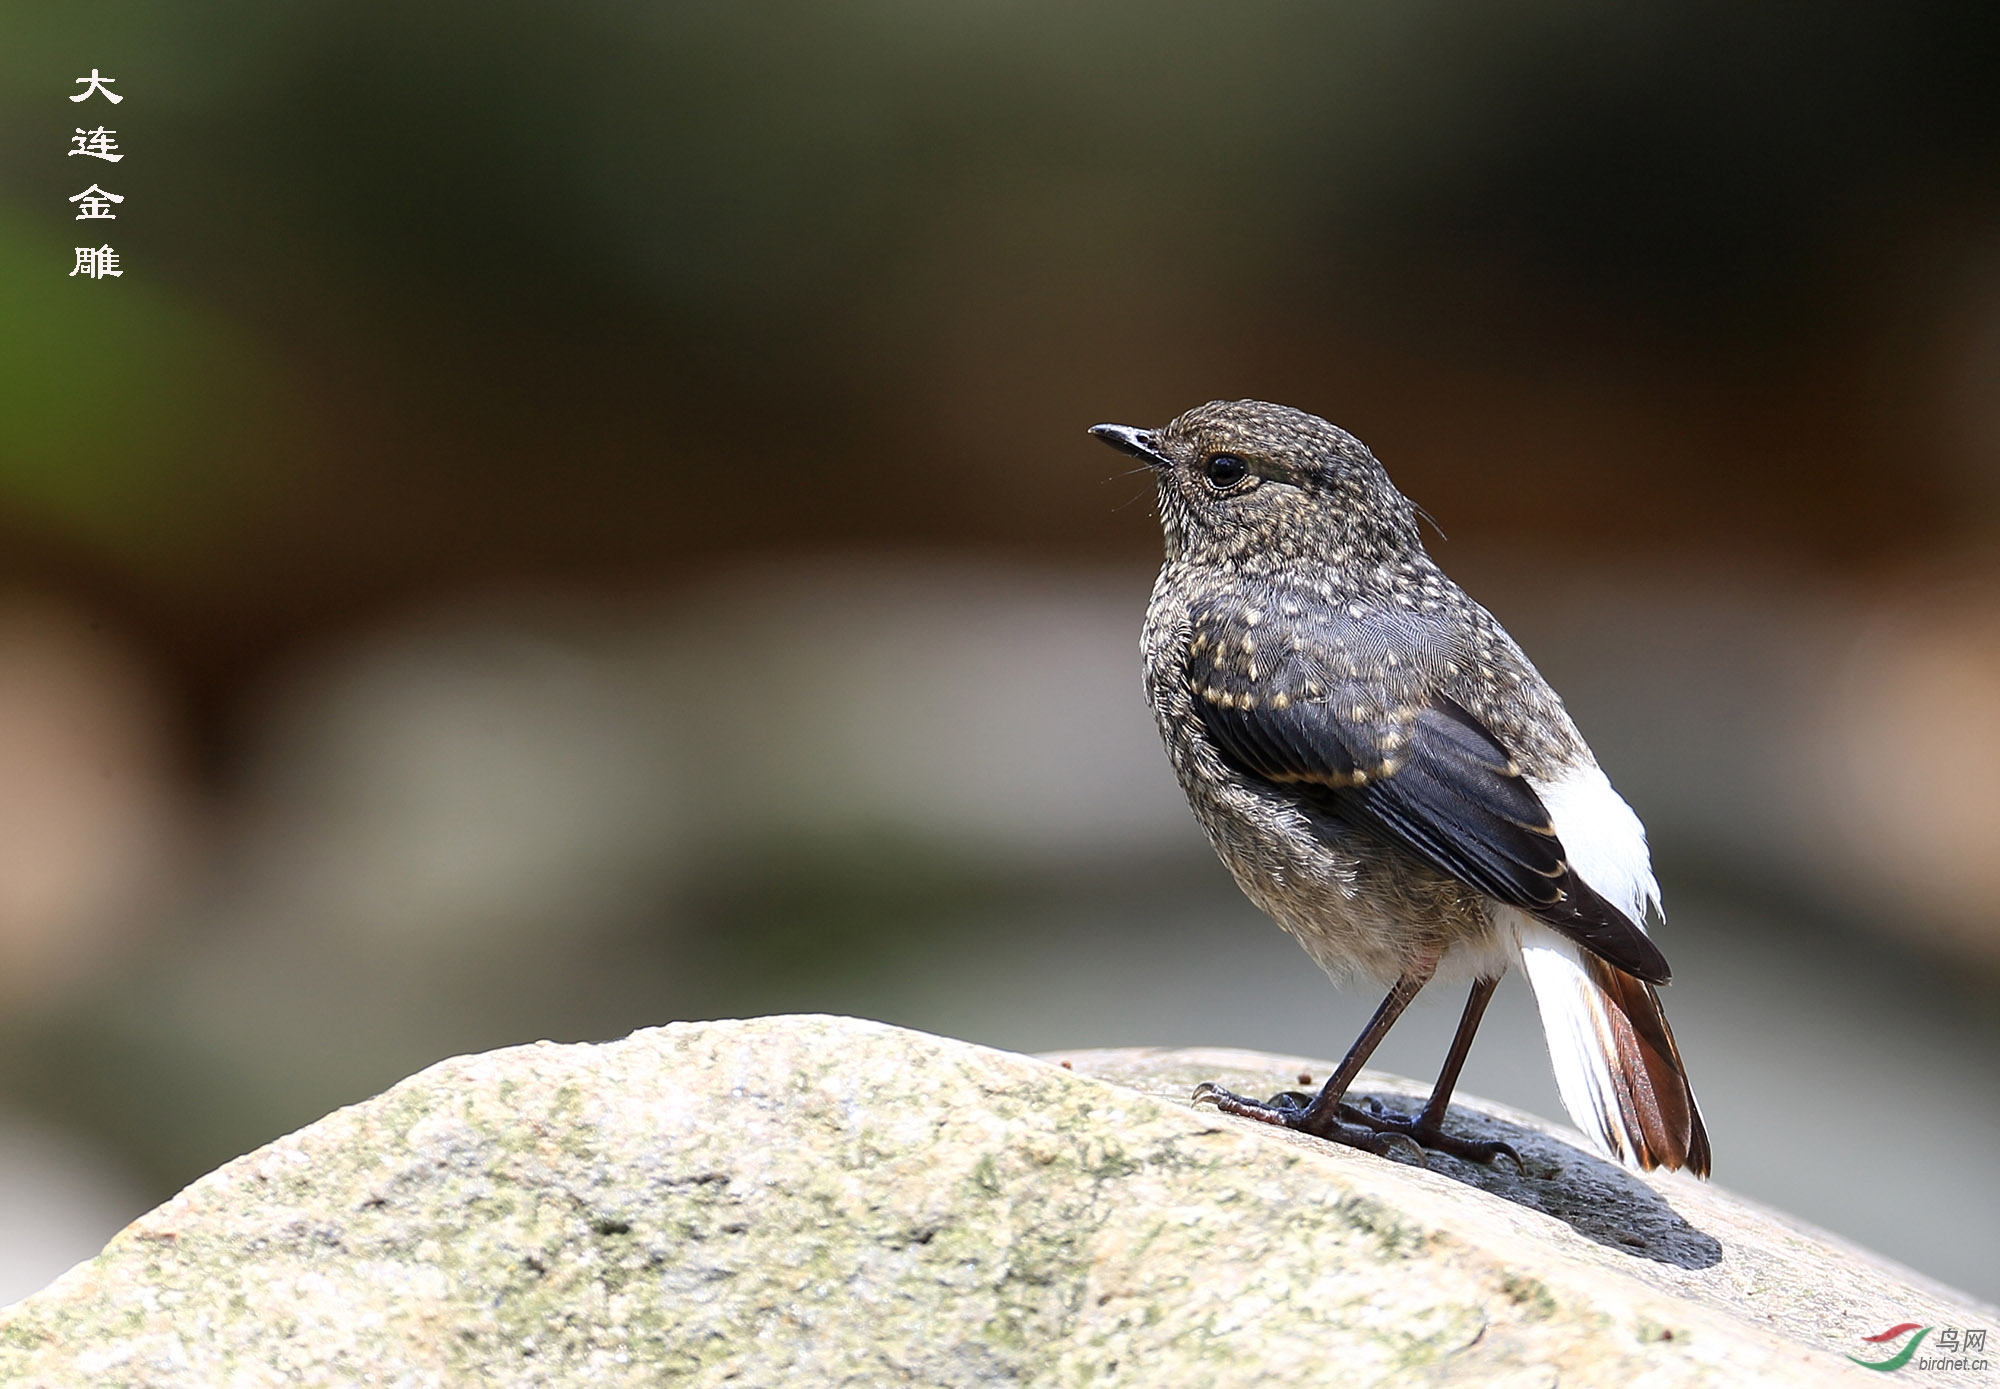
point(1251, 484)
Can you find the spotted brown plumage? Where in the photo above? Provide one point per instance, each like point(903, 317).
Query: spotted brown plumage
point(1386, 774)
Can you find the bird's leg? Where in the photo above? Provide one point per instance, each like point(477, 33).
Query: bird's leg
point(1326, 1115)
point(1427, 1129)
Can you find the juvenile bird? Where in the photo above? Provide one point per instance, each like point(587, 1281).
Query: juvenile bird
point(1384, 772)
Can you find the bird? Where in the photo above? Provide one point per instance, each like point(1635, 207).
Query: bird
point(1389, 778)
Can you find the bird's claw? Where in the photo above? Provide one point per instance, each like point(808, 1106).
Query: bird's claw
point(1430, 1137)
point(1374, 1130)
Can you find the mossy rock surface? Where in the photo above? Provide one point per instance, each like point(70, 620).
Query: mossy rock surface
point(823, 1201)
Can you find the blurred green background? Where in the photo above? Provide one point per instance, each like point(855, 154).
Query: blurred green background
point(575, 517)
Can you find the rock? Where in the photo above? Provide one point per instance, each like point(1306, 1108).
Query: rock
point(822, 1201)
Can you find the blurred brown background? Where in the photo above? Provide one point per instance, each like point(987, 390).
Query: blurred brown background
point(579, 516)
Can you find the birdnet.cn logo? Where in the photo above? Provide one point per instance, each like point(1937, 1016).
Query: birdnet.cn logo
point(1958, 1348)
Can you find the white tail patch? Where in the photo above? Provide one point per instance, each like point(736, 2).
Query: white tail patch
point(1603, 839)
point(1578, 1026)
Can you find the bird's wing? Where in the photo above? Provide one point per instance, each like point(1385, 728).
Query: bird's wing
point(1334, 712)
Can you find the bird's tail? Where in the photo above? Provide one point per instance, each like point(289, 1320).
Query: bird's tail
point(1616, 1064)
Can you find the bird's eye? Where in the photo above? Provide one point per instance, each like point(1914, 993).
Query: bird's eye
point(1225, 470)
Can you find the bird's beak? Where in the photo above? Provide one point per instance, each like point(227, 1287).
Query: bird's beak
point(1140, 443)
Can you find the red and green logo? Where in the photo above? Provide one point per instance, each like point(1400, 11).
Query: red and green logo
point(1901, 1357)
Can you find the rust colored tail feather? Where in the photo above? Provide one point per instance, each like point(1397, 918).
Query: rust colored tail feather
point(1655, 1102)
point(1616, 1064)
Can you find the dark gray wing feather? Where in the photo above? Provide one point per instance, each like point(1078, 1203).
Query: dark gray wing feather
point(1423, 774)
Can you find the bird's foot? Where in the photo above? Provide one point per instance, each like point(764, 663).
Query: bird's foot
point(1374, 1130)
point(1293, 1110)
point(1428, 1136)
